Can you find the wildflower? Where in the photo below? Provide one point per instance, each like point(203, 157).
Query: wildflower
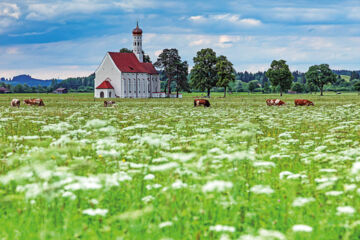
point(96, 123)
point(217, 185)
point(222, 228)
point(70, 195)
point(178, 184)
point(345, 210)
point(149, 177)
point(147, 199)
point(299, 202)
point(163, 167)
point(334, 193)
point(94, 212)
point(165, 224)
point(302, 228)
point(260, 189)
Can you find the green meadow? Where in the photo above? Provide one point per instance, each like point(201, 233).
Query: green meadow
point(162, 169)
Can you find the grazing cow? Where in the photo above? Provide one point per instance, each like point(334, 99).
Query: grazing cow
point(15, 103)
point(108, 103)
point(36, 102)
point(274, 102)
point(201, 102)
point(303, 102)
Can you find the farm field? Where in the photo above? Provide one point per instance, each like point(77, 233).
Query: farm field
point(162, 169)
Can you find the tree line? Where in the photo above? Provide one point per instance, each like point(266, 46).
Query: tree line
point(217, 72)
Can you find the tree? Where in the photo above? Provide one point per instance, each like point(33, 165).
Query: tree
point(125, 50)
point(357, 87)
point(168, 60)
point(253, 84)
point(297, 87)
point(279, 75)
point(181, 77)
point(225, 73)
point(320, 75)
point(266, 87)
point(204, 74)
point(354, 75)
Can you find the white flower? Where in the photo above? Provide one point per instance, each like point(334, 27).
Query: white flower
point(302, 228)
point(334, 193)
point(260, 189)
point(163, 167)
point(147, 199)
point(217, 185)
point(264, 164)
point(70, 195)
point(299, 202)
point(149, 177)
point(178, 184)
point(165, 224)
point(221, 228)
point(94, 212)
point(271, 234)
point(355, 168)
point(96, 123)
point(349, 187)
point(94, 201)
point(345, 210)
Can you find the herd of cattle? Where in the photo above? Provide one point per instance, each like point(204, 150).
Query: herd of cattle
point(269, 102)
point(197, 102)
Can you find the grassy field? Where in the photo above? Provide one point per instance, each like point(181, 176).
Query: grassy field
point(162, 169)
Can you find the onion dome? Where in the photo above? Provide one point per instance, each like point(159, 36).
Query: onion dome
point(137, 30)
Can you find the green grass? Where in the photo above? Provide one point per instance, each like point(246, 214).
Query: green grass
point(345, 77)
point(74, 154)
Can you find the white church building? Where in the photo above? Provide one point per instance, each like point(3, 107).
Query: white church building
point(125, 75)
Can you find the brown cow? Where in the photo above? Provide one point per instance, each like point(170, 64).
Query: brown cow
point(108, 103)
point(303, 102)
point(36, 102)
point(274, 102)
point(15, 103)
point(201, 102)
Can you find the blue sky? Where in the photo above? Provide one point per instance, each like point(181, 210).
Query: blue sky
point(63, 38)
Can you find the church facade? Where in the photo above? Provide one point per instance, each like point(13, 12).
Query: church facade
point(125, 75)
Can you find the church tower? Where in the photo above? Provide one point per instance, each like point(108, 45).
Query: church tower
point(137, 44)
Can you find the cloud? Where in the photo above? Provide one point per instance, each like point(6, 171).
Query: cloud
point(9, 10)
point(230, 18)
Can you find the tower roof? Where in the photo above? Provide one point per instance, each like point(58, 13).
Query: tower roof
point(137, 30)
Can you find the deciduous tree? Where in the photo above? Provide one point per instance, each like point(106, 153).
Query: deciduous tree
point(204, 74)
point(279, 75)
point(225, 73)
point(319, 75)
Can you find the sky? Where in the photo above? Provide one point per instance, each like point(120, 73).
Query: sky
point(69, 38)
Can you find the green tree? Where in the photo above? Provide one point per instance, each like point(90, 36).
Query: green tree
point(267, 87)
point(297, 87)
point(181, 77)
point(253, 84)
point(354, 75)
point(279, 75)
point(169, 61)
point(204, 74)
point(125, 50)
point(320, 75)
point(225, 73)
point(357, 87)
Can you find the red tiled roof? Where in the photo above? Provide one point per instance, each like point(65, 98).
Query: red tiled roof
point(128, 63)
point(105, 85)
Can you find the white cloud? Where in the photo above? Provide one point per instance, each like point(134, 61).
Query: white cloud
point(230, 18)
point(304, 14)
point(9, 10)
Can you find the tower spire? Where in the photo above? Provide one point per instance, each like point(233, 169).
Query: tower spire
point(137, 43)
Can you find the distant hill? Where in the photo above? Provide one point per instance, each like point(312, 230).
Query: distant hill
point(28, 80)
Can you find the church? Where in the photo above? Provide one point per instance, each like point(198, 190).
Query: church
point(125, 75)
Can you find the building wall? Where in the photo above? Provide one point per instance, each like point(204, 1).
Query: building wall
point(108, 70)
point(126, 85)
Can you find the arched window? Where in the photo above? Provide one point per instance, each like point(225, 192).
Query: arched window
point(102, 94)
point(109, 94)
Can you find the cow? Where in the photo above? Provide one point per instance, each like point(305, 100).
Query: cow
point(303, 102)
point(15, 103)
point(274, 102)
point(201, 102)
point(36, 102)
point(108, 103)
